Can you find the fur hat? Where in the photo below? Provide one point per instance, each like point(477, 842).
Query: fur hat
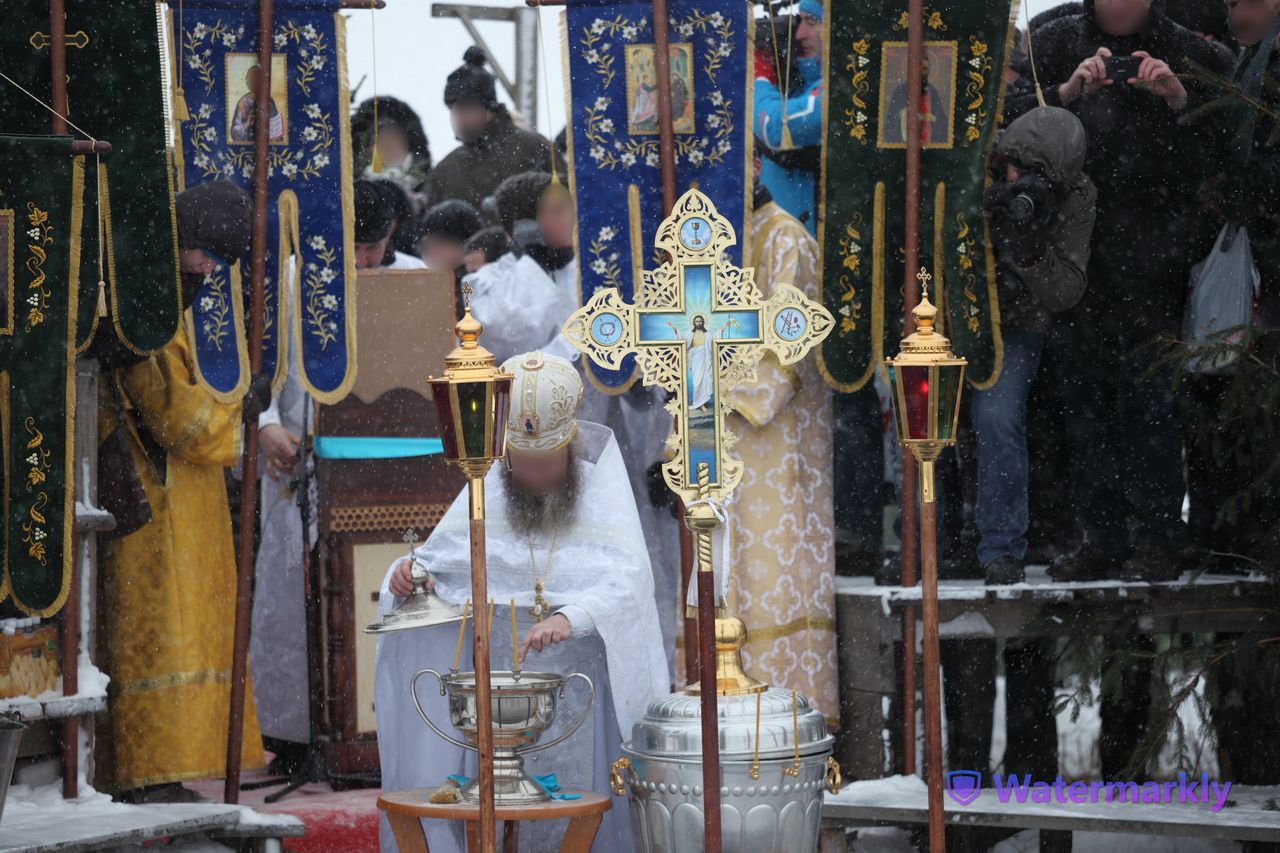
point(374, 212)
point(454, 218)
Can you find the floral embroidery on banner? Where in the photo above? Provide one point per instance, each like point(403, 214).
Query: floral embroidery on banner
point(966, 252)
point(849, 279)
point(216, 310)
point(199, 55)
point(35, 528)
point(318, 304)
point(39, 235)
point(311, 58)
point(717, 32)
point(979, 63)
point(604, 262)
point(856, 116)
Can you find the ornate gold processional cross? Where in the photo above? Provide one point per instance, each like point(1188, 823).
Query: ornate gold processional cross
point(698, 329)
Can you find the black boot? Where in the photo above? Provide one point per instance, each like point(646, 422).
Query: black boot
point(1152, 563)
point(1086, 563)
point(1004, 570)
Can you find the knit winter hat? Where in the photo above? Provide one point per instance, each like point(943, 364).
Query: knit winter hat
point(470, 82)
point(812, 8)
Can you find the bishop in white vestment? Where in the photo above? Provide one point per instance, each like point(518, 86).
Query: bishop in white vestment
point(564, 541)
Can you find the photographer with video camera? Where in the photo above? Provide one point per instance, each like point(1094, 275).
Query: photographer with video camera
point(1040, 209)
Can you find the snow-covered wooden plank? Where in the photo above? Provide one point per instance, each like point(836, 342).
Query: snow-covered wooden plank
point(1249, 816)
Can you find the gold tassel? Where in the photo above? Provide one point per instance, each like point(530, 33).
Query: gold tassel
point(180, 111)
point(375, 162)
point(102, 298)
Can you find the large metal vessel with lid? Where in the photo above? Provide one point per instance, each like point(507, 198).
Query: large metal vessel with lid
point(775, 763)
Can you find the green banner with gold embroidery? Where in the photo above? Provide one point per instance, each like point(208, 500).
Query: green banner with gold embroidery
point(864, 178)
point(41, 215)
point(114, 92)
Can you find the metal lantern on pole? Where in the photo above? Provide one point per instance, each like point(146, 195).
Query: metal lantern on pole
point(472, 399)
point(927, 378)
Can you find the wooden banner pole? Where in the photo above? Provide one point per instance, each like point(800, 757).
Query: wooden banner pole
point(249, 462)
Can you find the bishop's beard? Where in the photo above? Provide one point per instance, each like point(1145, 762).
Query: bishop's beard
point(532, 514)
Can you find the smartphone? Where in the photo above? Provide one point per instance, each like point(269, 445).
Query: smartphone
point(1121, 68)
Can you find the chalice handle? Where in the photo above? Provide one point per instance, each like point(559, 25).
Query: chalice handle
point(413, 690)
point(586, 712)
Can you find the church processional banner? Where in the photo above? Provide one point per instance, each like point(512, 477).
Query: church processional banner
point(615, 175)
point(115, 93)
point(41, 216)
point(310, 212)
point(965, 52)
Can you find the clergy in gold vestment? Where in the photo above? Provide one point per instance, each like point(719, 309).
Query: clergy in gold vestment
point(783, 579)
point(168, 590)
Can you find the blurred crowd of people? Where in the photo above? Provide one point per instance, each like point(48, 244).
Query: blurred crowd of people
point(1135, 132)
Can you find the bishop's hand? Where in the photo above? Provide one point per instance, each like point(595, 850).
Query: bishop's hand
point(401, 584)
point(546, 634)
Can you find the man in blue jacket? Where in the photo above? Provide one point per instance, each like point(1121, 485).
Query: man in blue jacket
point(788, 124)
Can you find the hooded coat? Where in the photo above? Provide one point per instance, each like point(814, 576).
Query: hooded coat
point(1051, 142)
point(1145, 163)
point(473, 170)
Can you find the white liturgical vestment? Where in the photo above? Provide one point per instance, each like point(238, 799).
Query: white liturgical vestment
point(598, 575)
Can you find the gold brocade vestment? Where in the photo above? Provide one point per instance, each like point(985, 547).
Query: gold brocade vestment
point(783, 566)
point(168, 590)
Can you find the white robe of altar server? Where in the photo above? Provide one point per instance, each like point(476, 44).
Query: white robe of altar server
point(522, 309)
point(600, 578)
point(277, 641)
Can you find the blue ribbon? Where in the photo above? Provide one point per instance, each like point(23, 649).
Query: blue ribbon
point(546, 782)
point(375, 447)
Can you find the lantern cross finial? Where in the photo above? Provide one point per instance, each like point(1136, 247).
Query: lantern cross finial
point(698, 329)
point(924, 278)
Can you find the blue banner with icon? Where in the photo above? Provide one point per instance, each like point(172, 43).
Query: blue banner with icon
point(613, 141)
point(310, 281)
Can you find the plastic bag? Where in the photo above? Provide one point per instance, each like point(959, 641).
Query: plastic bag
point(1222, 302)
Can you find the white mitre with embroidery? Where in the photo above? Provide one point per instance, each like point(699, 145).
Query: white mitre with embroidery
point(545, 392)
point(596, 567)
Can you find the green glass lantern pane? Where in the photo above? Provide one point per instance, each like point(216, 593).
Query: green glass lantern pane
point(950, 377)
point(473, 403)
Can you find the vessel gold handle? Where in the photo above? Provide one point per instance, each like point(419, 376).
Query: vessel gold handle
point(617, 783)
point(833, 775)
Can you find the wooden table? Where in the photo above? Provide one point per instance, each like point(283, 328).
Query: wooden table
point(406, 809)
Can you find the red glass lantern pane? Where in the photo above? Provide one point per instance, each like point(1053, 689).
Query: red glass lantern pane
point(501, 407)
point(915, 388)
point(444, 416)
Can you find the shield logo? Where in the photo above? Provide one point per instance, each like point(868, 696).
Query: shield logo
point(964, 786)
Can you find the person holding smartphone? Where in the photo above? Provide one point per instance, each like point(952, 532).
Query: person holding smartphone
point(1125, 70)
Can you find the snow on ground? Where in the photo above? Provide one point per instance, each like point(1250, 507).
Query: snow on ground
point(1028, 841)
